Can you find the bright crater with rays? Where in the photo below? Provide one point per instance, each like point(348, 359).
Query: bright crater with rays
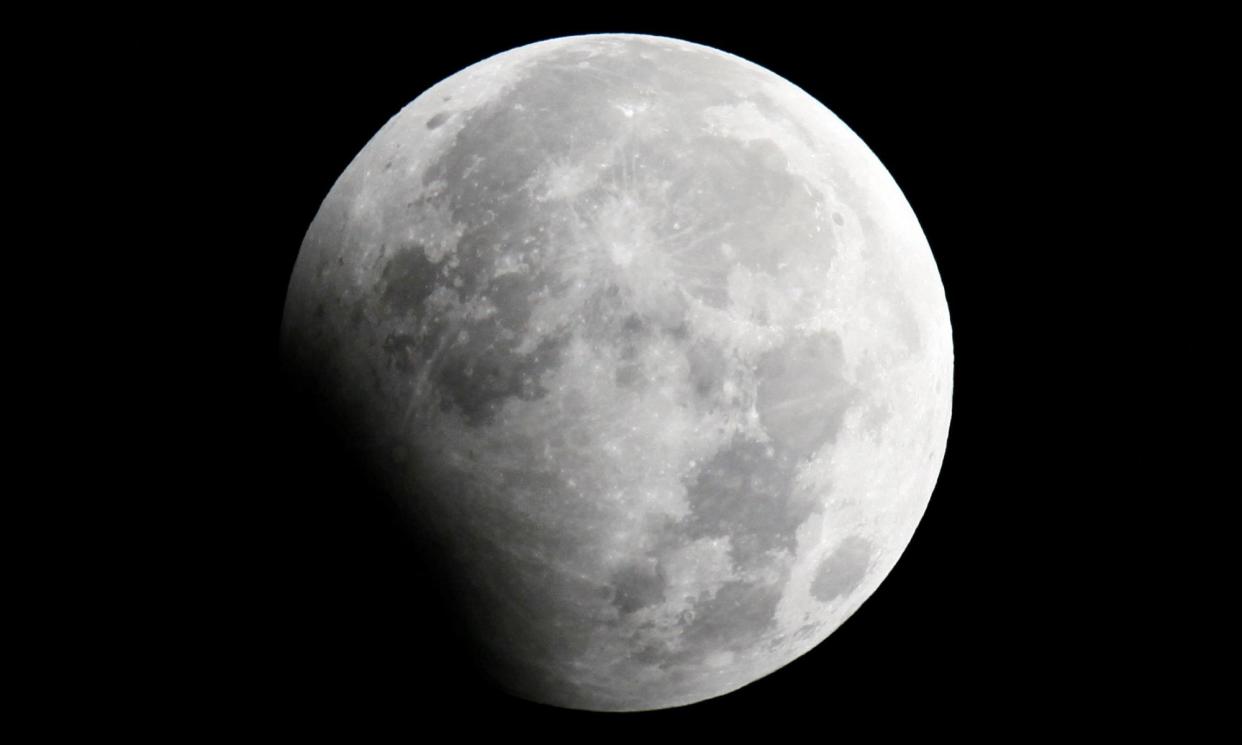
point(655, 346)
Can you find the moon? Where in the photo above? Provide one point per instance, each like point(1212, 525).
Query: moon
point(648, 345)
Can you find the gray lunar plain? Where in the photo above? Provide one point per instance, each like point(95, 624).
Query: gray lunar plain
point(652, 341)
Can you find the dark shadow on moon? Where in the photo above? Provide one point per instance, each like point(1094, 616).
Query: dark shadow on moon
point(364, 605)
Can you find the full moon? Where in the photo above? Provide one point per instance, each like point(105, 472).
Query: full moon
point(648, 345)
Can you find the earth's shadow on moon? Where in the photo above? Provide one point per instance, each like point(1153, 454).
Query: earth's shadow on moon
point(369, 616)
point(369, 606)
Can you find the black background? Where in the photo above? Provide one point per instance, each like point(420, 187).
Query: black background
point(322, 613)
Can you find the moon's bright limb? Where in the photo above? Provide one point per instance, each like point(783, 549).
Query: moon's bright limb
point(656, 345)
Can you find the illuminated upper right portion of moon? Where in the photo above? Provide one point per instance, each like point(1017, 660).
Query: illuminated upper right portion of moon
point(654, 341)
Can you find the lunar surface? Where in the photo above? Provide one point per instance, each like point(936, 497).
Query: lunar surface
point(653, 348)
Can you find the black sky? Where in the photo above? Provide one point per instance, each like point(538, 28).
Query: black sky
point(985, 624)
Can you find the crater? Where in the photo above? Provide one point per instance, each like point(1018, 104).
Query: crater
point(438, 119)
